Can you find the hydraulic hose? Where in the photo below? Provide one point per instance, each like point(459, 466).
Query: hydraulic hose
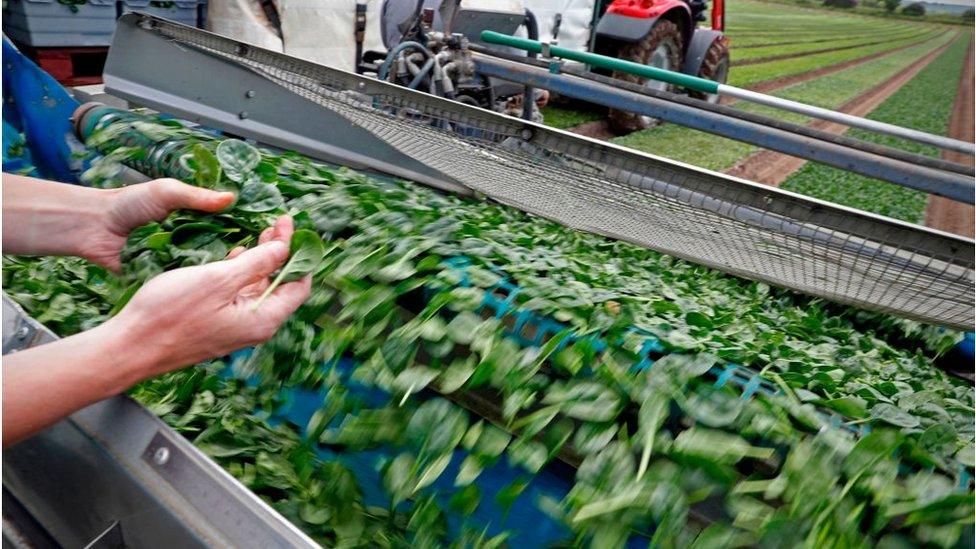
point(422, 74)
point(384, 69)
point(532, 28)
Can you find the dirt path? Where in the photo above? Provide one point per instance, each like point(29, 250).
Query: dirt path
point(600, 130)
point(772, 168)
point(942, 213)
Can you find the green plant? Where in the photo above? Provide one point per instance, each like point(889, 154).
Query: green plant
point(653, 448)
point(915, 9)
point(305, 253)
point(924, 103)
point(73, 4)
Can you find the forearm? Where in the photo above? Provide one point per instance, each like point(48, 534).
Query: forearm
point(46, 218)
point(47, 383)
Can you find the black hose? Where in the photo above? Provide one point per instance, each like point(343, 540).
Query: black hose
point(532, 28)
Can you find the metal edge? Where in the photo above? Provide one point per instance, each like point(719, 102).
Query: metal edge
point(106, 422)
point(858, 222)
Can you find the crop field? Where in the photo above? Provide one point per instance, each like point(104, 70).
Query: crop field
point(925, 103)
point(831, 60)
point(830, 91)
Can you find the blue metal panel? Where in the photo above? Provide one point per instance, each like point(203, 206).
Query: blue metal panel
point(36, 104)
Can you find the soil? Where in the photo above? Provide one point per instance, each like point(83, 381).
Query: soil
point(772, 168)
point(598, 129)
point(942, 213)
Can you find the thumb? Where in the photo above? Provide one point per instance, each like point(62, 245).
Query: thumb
point(178, 195)
point(255, 264)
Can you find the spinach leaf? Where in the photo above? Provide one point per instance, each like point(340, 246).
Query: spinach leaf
point(257, 196)
point(207, 172)
point(237, 158)
point(305, 254)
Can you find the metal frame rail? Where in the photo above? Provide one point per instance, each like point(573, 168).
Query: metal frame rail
point(730, 111)
point(708, 86)
point(822, 249)
point(114, 474)
point(895, 169)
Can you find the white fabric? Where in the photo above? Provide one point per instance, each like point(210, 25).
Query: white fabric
point(323, 31)
point(574, 32)
point(242, 20)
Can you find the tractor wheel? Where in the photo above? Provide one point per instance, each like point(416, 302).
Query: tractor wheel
point(661, 48)
point(715, 67)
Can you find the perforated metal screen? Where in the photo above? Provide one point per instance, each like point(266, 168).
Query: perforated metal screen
point(733, 225)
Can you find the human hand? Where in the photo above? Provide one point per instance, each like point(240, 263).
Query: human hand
point(133, 206)
point(187, 315)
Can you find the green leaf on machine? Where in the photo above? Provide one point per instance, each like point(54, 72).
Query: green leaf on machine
point(305, 255)
point(208, 171)
point(237, 158)
point(257, 196)
point(717, 446)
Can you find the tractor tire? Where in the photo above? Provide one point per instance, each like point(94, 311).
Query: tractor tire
point(715, 67)
point(665, 35)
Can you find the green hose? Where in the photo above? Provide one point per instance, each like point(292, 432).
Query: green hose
point(594, 60)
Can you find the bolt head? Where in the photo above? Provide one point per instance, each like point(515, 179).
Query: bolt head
point(161, 455)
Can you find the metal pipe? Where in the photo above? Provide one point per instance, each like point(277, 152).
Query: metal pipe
point(708, 86)
point(724, 110)
point(950, 185)
point(848, 120)
point(532, 29)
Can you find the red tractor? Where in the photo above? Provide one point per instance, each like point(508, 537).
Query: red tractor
point(664, 34)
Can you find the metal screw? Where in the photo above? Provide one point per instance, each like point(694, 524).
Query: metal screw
point(161, 455)
point(526, 134)
point(361, 86)
point(242, 115)
point(250, 94)
point(23, 332)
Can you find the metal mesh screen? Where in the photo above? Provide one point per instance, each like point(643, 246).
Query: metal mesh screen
point(733, 225)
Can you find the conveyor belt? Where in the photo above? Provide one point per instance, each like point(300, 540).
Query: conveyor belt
point(726, 223)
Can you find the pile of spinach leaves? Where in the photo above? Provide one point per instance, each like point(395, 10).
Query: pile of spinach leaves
point(660, 454)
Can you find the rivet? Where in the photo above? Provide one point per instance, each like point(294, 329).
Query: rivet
point(161, 455)
point(250, 94)
point(22, 332)
point(242, 115)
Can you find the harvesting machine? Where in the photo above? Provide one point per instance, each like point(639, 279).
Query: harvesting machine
point(664, 34)
point(114, 474)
